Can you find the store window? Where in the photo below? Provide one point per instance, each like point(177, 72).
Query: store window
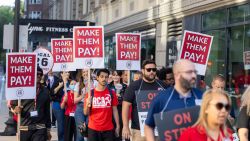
point(231, 30)
point(239, 14)
point(216, 61)
point(214, 19)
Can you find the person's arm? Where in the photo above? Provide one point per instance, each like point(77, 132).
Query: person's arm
point(77, 95)
point(242, 124)
point(149, 133)
point(64, 101)
point(48, 121)
point(60, 85)
point(116, 117)
point(87, 105)
point(125, 119)
point(243, 134)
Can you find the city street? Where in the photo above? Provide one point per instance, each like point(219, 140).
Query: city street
point(4, 115)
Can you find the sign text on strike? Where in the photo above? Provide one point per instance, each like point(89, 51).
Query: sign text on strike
point(129, 38)
point(92, 32)
point(128, 55)
point(88, 51)
point(63, 50)
point(63, 43)
point(198, 39)
point(88, 41)
point(21, 59)
point(20, 80)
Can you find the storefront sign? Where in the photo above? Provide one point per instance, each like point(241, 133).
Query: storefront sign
point(171, 124)
point(54, 28)
point(143, 100)
point(246, 60)
point(44, 59)
point(62, 51)
point(196, 48)
point(21, 76)
point(89, 46)
point(128, 46)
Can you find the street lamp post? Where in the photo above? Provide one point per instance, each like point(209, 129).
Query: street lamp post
point(16, 26)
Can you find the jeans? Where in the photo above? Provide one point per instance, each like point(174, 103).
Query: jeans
point(80, 118)
point(59, 114)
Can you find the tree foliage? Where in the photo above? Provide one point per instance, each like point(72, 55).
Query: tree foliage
point(6, 17)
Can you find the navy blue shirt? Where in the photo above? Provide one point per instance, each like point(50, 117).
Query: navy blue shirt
point(177, 101)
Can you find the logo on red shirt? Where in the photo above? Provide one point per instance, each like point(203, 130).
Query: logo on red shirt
point(102, 101)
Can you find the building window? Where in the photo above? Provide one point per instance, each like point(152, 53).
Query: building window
point(231, 30)
point(239, 14)
point(35, 1)
point(214, 19)
point(35, 15)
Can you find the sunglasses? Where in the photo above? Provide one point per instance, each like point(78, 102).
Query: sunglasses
point(219, 106)
point(150, 69)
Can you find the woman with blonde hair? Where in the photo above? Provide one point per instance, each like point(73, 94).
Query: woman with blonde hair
point(211, 124)
point(244, 117)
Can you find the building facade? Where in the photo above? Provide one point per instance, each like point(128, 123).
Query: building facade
point(66, 9)
point(36, 9)
point(162, 22)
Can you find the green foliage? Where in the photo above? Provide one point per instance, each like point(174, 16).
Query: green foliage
point(6, 17)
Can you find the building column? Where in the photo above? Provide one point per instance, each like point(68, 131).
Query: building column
point(161, 43)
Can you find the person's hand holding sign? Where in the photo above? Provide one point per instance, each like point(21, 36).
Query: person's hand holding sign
point(89, 101)
point(18, 109)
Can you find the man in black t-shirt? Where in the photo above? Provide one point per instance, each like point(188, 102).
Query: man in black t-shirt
point(148, 82)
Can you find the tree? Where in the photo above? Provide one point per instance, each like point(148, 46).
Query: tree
point(6, 17)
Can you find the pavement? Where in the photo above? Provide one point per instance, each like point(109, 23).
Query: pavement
point(4, 115)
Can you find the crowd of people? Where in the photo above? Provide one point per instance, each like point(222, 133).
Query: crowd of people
point(106, 108)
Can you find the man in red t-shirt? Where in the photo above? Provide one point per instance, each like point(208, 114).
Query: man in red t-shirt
point(101, 108)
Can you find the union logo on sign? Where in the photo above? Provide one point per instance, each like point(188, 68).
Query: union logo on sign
point(129, 64)
point(89, 62)
point(64, 66)
point(19, 92)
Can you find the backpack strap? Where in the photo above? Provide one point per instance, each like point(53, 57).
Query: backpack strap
point(92, 96)
point(111, 95)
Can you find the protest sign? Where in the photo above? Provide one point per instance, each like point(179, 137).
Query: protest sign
point(143, 100)
point(196, 48)
point(246, 59)
point(171, 124)
point(88, 42)
point(44, 59)
point(62, 51)
point(128, 48)
point(21, 76)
